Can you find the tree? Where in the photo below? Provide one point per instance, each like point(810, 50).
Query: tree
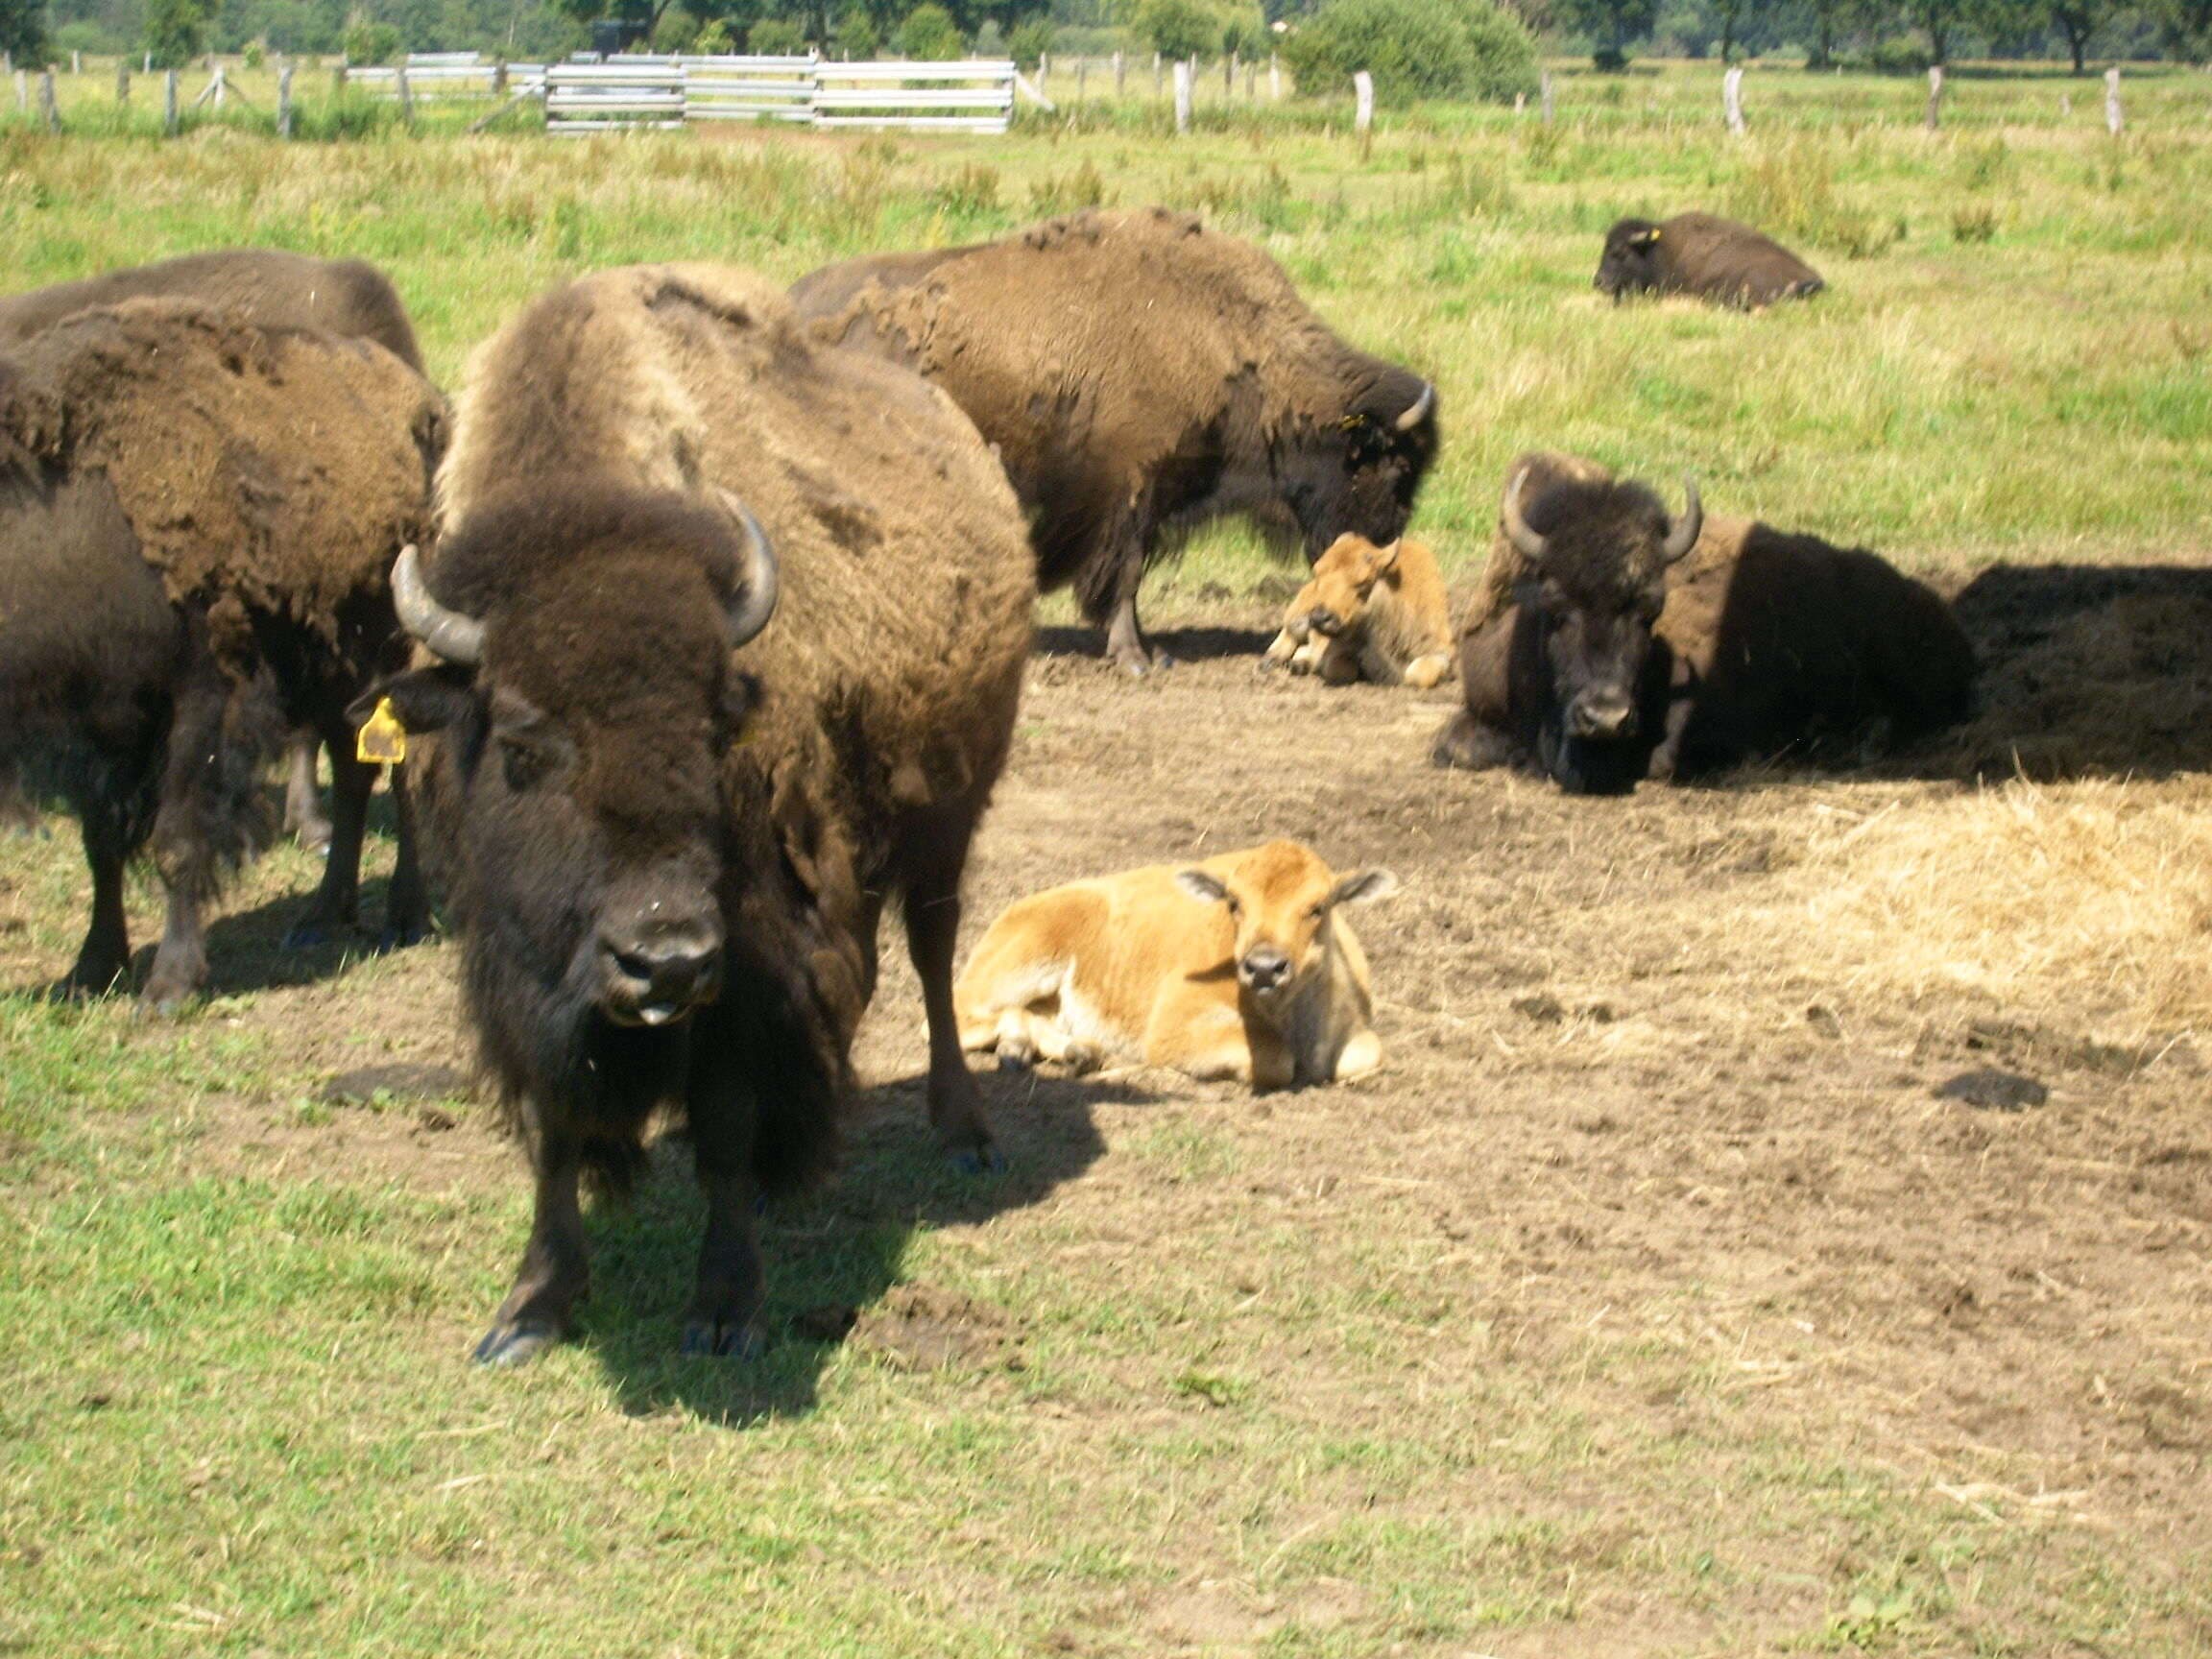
point(2078, 21)
point(1939, 20)
point(1178, 28)
point(930, 36)
point(1610, 25)
point(23, 29)
point(177, 30)
point(1730, 15)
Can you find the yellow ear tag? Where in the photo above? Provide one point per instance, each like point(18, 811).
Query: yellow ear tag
point(381, 737)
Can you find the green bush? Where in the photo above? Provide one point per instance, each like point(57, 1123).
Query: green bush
point(929, 36)
point(714, 41)
point(1178, 28)
point(859, 38)
point(776, 38)
point(1029, 41)
point(1414, 48)
point(364, 42)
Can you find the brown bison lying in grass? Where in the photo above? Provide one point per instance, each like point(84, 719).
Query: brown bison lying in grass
point(1374, 614)
point(1238, 967)
point(1700, 255)
point(1611, 642)
point(196, 520)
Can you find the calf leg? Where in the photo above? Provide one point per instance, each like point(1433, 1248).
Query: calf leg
point(303, 816)
point(555, 1273)
point(337, 901)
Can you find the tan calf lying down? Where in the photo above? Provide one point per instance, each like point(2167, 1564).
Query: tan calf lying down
point(1376, 613)
point(1239, 967)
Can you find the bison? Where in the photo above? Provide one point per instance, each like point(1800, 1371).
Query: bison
point(265, 286)
point(1613, 642)
point(1701, 254)
point(197, 518)
point(1261, 982)
point(665, 824)
point(1373, 614)
point(1138, 374)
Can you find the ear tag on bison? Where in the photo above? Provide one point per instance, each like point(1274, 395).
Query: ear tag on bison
point(382, 738)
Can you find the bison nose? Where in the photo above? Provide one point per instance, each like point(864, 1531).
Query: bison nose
point(660, 971)
point(1602, 714)
point(1263, 968)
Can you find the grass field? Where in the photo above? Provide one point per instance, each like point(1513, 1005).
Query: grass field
point(1649, 1303)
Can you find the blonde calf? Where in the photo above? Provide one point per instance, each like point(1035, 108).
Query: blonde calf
point(1376, 613)
point(1237, 968)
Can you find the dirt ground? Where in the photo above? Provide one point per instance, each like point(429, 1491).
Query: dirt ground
point(1836, 1117)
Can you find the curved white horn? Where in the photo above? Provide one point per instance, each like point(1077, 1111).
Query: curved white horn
point(1419, 412)
point(1683, 535)
point(1530, 545)
point(759, 581)
point(451, 633)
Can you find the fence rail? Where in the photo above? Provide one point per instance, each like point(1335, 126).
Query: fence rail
point(974, 96)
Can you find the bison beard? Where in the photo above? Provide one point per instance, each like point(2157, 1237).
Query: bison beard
point(667, 844)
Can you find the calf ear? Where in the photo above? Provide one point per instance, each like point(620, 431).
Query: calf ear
point(1382, 559)
point(424, 699)
point(1206, 889)
point(1363, 887)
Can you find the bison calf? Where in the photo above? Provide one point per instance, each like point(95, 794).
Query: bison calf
point(1611, 642)
point(1698, 253)
point(1374, 614)
point(197, 516)
point(1237, 968)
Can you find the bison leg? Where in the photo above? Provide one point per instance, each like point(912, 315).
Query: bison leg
point(106, 954)
point(337, 901)
point(303, 816)
point(407, 901)
point(1466, 743)
point(724, 1318)
point(934, 859)
point(181, 960)
point(554, 1274)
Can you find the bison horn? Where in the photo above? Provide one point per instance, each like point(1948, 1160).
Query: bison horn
point(1530, 545)
point(1419, 412)
point(759, 582)
point(450, 634)
point(1683, 535)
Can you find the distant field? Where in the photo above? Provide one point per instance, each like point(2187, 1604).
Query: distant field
point(1650, 1302)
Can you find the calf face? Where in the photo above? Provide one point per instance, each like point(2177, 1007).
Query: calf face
point(1333, 603)
point(1595, 583)
point(1278, 901)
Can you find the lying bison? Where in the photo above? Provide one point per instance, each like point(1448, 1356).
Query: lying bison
point(1612, 642)
point(666, 825)
point(1259, 981)
point(1137, 374)
point(197, 516)
point(274, 290)
point(1696, 253)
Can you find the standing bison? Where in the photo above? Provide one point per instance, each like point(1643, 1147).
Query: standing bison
point(1138, 374)
point(732, 631)
point(1612, 642)
point(1700, 255)
point(197, 516)
point(269, 288)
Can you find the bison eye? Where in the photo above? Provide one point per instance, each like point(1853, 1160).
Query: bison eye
point(1235, 907)
point(522, 762)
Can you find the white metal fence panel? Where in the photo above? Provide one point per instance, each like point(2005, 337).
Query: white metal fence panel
point(748, 88)
point(585, 98)
point(971, 96)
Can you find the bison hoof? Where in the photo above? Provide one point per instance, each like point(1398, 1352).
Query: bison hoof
point(517, 1344)
point(1016, 1059)
point(399, 938)
point(158, 1001)
point(305, 936)
point(718, 1339)
point(983, 1160)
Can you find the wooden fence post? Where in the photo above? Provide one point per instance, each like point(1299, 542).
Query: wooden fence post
point(406, 97)
point(1251, 82)
point(169, 102)
point(46, 105)
point(1935, 96)
point(499, 78)
point(1274, 79)
point(1732, 100)
point(76, 62)
point(2112, 120)
point(338, 77)
point(122, 82)
point(1155, 77)
point(1181, 96)
point(1363, 106)
point(1044, 69)
point(22, 91)
point(1229, 77)
point(1121, 73)
point(284, 102)
point(1544, 93)
point(1082, 76)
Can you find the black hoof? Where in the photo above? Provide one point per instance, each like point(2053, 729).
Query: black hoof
point(1014, 1062)
point(985, 1159)
point(399, 938)
point(515, 1344)
point(306, 935)
point(712, 1339)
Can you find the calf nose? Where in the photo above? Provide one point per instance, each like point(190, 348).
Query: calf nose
point(661, 971)
point(1602, 714)
point(1264, 968)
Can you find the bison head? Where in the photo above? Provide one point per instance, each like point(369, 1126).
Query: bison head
point(1279, 898)
point(586, 697)
point(1595, 554)
point(1634, 260)
point(1361, 477)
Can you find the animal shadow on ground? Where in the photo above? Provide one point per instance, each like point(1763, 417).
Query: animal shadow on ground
point(835, 1259)
point(1200, 644)
point(2085, 671)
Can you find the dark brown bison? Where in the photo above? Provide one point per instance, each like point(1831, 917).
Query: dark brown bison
point(197, 516)
point(274, 290)
point(1138, 374)
point(666, 842)
point(1611, 642)
point(1696, 253)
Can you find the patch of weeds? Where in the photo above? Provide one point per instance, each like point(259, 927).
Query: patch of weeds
point(1974, 223)
point(1790, 188)
point(973, 189)
point(1211, 1389)
point(1066, 193)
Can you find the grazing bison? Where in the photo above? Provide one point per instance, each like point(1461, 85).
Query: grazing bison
point(1260, 981)
point(274, 290)
point(1612, 642)
point(1138, 374)
point(197, 516)
point(1373, 614)
point(668, 843)
point(1698, 253)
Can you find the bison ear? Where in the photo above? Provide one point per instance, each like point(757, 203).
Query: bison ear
point(1206, 889)
point(424, 699)
point(1363, 887)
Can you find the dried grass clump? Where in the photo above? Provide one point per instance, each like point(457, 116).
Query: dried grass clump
point(2089, 903)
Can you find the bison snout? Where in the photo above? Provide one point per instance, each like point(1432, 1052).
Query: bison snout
point(1602, 714)
point(659, 971)
point(1263, 970)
